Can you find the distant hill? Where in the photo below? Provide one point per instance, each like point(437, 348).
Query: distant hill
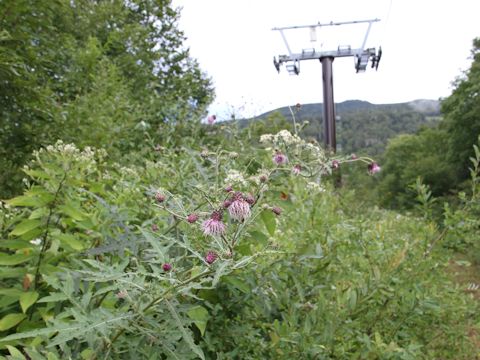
point(362, 126)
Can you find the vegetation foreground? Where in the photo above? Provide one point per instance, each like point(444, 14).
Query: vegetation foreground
point(144, 234)
point(209, 254)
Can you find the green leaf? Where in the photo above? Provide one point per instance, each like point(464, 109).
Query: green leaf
point(200, 316)
point(11, 292)
point(15, 244)
point(239, 284)
point(71, 241)
point(28, 299)
point(33, 198)
point(72, 211)
point(6, 259)
point(269, 220)
point(25, 226)
point(53, 298)
point(15, 353)
point(9, 272)
point(186, 335)
point(11, 320)
point(259, 237)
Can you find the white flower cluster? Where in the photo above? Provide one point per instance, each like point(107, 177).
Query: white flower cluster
point(315, 187)
point(87, 154)
point(282, 137)
point(235, 177)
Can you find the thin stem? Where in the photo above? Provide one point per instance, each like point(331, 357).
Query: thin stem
point(46, 233)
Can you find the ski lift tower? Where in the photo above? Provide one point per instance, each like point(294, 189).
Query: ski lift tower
point(361, 56)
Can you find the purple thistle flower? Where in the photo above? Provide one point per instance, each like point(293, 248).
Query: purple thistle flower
point(373, 168)
point(167, 267)
point(159, 197)
point(211, 257)
point(296, 169)
point(279, 158)
point(276, 210)
point(192, 218)
point(211, 119)
point(240, 208)
point(250, 199)
point(228, 189)
point(227, 203)
point(214, 226)
point(335, 164)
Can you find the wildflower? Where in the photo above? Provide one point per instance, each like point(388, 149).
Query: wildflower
point(167, 267)
point(276, 210)
point(373, 168)
point(154, 227)
point(211, 119)
point(263, 178)
point(335, 164)
point(240, 208)
point(235, 177)
point(250, 199)
point(214, 226)
point(122, 294)
point(296, 169)
point(228, 189)
point(192, 218)
point(227, 203)
point(159, 197)
point(37, 241)
point(279, 158)
point(286, 137)
point(211, 257)
point(266, 138)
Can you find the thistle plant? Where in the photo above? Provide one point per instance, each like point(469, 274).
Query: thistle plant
point(142, 242)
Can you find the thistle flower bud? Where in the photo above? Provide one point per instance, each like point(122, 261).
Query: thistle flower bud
point(250, 199)
point(159, 197)
point(296, 169)
point(373, 168)
point(276, 210)
point(167, 267)
point(192, 218)
point(210, 257)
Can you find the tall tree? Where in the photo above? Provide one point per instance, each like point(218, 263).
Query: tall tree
point(462, 115)
point(90, 71)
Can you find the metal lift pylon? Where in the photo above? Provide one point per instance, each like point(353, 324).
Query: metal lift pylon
point(361, 55)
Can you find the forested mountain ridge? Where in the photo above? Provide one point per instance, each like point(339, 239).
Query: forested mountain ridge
point(362, 126)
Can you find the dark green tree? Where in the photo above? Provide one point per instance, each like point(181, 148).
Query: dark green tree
point(462, 116)
point(94, 73)
point(410, 156)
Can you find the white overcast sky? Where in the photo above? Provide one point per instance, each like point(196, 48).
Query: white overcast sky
point(426, 44)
